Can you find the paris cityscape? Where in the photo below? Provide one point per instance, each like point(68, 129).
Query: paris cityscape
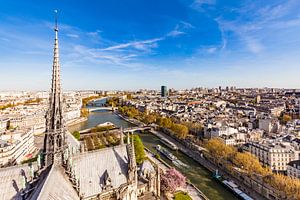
point(141, 100)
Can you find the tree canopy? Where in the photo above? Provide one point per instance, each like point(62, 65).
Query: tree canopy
point(250, 165)
point(76, 134)
point(171, 180)
point(140, 154)
point(182, 196)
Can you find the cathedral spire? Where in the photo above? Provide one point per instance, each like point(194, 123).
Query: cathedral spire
point(54, 142)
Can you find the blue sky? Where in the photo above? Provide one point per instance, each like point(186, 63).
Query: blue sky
point(131, 44)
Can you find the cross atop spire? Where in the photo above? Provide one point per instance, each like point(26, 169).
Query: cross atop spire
point(54, 142)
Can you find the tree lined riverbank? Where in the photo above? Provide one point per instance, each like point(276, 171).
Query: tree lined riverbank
point(198, 175)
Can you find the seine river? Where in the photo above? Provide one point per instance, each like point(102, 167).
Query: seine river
point(192, 170)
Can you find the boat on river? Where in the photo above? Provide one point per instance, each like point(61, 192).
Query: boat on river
point(166, 153)
point(235, 189)
point(230, 185)
point(169, 144)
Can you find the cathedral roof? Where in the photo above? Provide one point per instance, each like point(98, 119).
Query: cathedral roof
point(91, 168)
point(56, 187)
point(12, 181)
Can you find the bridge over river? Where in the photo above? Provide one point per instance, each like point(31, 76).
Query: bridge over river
point(125, 130)
point(93, 109)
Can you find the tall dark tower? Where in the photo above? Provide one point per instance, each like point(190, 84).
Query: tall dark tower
point(54, 142)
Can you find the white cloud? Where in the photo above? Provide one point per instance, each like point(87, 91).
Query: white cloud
point(140, 45)
point(94, 33)
point(175, 33)
point(198, 4)
point(263, 25)
point(186, 25)
point(211, 50)
point(72, 35)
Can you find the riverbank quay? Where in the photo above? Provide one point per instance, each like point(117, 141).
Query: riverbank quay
point(98, 99)
point(93, 100)
point(191, 189)
point(132, 121)
point(108, 125)
point(77, 121)
point(253, 186)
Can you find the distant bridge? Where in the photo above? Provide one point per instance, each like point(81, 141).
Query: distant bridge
point(133, 129)
point(92, 109)
point(125, 130)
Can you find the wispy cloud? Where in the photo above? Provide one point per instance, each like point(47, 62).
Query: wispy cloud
point(139, 45)
point(198, 4)
point(94, 33)
point(211, 50)
point(266, 21)
point(176, 32)
point(254, 45)
point(187, 25)
point(72, 35)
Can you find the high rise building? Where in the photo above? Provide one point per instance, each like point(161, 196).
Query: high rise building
point(164, 91)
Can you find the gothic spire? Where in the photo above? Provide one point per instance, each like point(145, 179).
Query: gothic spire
point(133, 150)
point(54, 142)
point(132, 168)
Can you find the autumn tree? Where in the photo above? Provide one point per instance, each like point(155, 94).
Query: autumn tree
point(249, 163)
point(218, 149)
point(165, 122)
point(180, 130)
point(84, 112)
point(285, 118)
point(194, 128)
point(149, 119)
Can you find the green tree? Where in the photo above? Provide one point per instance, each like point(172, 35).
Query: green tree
point(76, 134)
point(182, 196)
point(140, 154)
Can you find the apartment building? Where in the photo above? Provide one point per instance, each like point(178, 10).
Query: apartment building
point(293, 169)
point(16, 146)
point(275, 155)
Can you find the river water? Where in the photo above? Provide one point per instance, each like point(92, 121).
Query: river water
point(198, 175)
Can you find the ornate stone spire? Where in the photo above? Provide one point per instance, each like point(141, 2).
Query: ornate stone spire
point(132, 168)
point(54, 142)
